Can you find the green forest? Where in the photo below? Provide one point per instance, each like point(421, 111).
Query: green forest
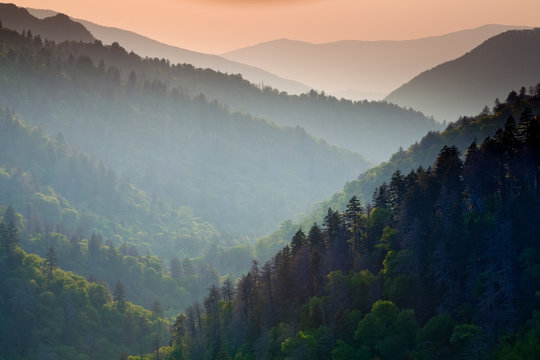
point(460, 133)
point(158, 211)
point(190, 151)
point(442, 263)
point(47, 312)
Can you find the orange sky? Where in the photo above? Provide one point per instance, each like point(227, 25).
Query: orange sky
point(215, 26)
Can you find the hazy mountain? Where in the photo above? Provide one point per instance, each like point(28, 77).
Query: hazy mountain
point(360, 69)
point(100, 225)
point(57, 27)
point(423, 153)
point(442, 265)
point(59, 188)
point(238, 172)
point(465, 85)
point(148, 47)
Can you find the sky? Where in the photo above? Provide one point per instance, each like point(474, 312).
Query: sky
point(217, 26)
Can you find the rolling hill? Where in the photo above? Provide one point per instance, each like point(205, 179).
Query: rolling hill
point(57, 27)
point(236, 171)
point(465, 85)
point(360, 69)
point(423, 153)
point(374, 129)
point(145, 46)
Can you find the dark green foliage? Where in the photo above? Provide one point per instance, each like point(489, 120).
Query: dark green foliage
point(437, 274)
point(422, 154)
point(46, 312)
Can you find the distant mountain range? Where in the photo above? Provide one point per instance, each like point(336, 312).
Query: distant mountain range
point(373, 129)
point(242, 174)
point(57, 27)
point(148, 47)
point(463, 86)
point(360, 69)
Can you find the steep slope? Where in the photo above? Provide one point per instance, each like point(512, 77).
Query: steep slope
point(48, 313)
point(465, 85)
point(444, 265)
point(102, 227)
point(151, 48)
point(56, 28)
point(361, 69)
point(242, 174)
point(59, 189)
point(373, 129)
point(423, 153)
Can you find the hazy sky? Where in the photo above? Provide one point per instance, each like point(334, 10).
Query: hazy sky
point(216, 26)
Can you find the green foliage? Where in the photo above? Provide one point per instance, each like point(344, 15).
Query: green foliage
point(445, 266)
point(343, 351)
point(387, 332)
point(302, 346)
point(423, 153)
point(523, 345)
point(63, 315)
point(434, 338)
point(57, 188)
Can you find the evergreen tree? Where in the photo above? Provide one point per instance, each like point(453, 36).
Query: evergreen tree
point(52, 262)
point(298, 240)
point(119, 296)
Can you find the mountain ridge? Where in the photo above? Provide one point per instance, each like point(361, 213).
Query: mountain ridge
point(460, 133)
point(217, 154)
point(58, 27)
point(476, 78)
point(146, 46)
point(361, 65)
point(374, 130)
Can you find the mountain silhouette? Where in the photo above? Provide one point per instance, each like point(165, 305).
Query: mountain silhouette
point(56, 28)
point(145, 46)
point(465, 85)
point(360, 69)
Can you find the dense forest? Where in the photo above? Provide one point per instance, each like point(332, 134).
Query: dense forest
point(105, 228)
point(242, 174)
point(129, 201)
point(441, 264)
point(60, 189)
point(423, 153)
point(47, 313)
point(373, 129)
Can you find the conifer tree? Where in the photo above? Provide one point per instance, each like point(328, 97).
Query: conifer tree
point(52, 262)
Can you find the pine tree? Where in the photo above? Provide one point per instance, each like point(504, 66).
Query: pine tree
point(315, 237)
point(119, 295)
point(52, 262)
point(298, 240)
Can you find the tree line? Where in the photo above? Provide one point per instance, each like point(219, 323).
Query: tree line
point(441, 264)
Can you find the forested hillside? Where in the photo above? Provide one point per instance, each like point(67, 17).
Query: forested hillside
point(441, 265)
point(373, 129)
point(465, 85)
point(47, 313)
point(60, 189)
point(423, 153)
point(105, 228)
point(242, 174)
